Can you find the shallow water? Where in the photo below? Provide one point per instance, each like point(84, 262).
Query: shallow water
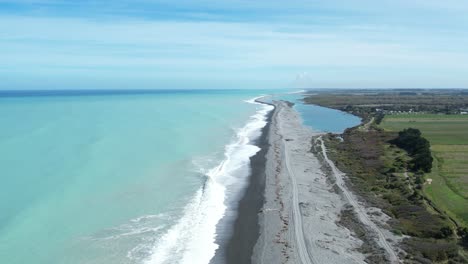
point(127, 178)
point(133, 177)
point(321, 119)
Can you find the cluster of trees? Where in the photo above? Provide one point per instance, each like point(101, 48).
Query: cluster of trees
point(379, 117)
point(418, 148)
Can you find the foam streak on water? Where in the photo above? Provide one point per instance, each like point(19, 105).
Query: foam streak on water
point(193, 238)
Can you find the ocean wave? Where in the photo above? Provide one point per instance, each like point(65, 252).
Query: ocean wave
point(132, 232)
point(192, 239)
point(253, 100)
point(137, 226)
point(145, 218)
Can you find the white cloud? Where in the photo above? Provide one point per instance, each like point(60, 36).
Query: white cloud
point(241, 51)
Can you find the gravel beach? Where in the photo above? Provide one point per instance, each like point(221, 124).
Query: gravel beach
point(298, 208)
point(299, 221)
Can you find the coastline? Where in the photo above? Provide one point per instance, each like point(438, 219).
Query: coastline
point(204, 230)
point(241, 239)
point(300, 219)
point(295, 206)
point(246, 228)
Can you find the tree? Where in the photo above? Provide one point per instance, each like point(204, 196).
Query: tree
point(419, 148)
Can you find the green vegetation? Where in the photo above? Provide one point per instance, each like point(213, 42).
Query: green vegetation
point(449, 139)
point(418, 147)
point(365, 102)
point(393, 171)
point(439, 129)
point(378, 171)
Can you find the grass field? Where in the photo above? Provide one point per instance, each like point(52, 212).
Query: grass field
point(448, 135)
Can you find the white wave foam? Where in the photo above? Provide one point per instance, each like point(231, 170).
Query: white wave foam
point(146, 217)
point(252, 100)
point(192, 238)
point(297, 92)
point(132, 232)
point(137, 226)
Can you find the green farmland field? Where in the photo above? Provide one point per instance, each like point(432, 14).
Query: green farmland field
point(448, 135)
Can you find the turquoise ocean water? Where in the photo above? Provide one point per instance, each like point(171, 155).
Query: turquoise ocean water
point(125, 177)
point(107, 178)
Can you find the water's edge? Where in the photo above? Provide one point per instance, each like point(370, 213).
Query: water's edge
point(245, 230)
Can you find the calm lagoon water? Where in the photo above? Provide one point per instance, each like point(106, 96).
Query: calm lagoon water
point(320, 118)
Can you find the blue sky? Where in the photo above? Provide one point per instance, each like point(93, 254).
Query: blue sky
point(143, 44)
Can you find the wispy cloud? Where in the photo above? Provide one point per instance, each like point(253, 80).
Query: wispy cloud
point(235, 43)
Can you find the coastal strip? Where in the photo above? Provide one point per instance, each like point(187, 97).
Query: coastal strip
point(382, 239)
point(201, 234)
point(241, 239)
point(300, 219)
point(292, 209)
point(246, 228)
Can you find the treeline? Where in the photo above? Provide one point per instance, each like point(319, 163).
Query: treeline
point(363, 155)
point(418, 148)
